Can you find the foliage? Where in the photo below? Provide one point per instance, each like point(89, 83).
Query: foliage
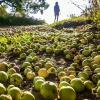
point(93, 11)
point(96, 17)
point(3, 11)
point(13, 21)
point(13, 3)
point(26, 6)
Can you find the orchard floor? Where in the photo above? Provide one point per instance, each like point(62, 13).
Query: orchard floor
point(44, 36)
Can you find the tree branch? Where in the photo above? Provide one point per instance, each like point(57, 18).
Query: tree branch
point(8, 4)
point(76, 5)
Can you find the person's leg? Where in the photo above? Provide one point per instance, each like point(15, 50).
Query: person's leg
point(55, 18)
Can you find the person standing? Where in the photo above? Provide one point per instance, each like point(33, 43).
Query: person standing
point(56, 11)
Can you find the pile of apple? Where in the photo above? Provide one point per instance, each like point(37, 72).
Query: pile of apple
point(54, 66)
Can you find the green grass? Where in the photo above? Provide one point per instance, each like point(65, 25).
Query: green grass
point(82, 18)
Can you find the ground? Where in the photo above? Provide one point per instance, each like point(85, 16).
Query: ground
point(59, 47)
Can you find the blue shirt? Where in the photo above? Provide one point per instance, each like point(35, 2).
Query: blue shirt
point(56, 9)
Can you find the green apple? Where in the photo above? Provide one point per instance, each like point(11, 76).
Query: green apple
point(67, 93)
point(49, 90)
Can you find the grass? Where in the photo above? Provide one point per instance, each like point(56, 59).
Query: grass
point(81, 18)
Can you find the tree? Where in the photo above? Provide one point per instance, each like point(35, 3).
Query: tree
point(31, 6)
point(92, 11)
point(12, 3)
point(26, 6)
